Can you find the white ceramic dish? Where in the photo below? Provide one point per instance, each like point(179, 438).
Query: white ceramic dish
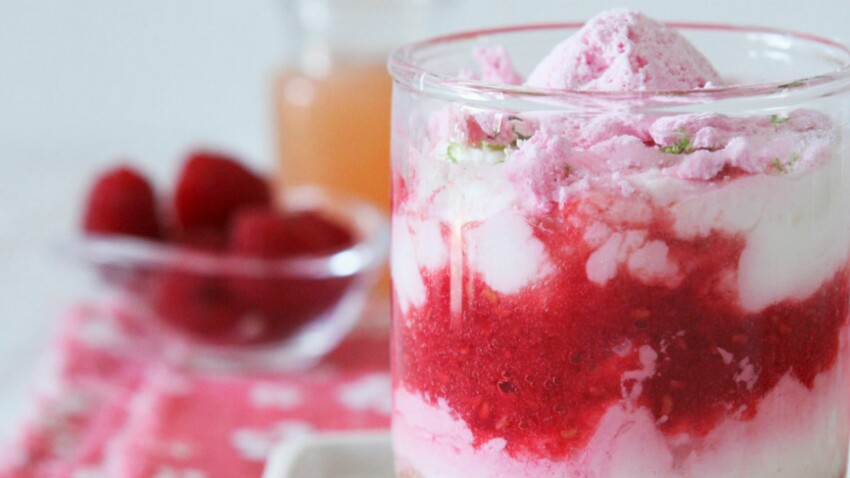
point(335, 455)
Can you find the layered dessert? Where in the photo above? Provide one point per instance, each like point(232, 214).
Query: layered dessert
point(615, 292)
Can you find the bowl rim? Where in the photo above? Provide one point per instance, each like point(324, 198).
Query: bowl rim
point(369, 224)
point(407, 71)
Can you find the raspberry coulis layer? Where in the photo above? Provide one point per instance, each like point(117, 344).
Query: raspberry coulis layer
point(540, 367)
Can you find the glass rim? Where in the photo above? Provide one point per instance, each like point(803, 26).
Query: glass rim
point(404, 69)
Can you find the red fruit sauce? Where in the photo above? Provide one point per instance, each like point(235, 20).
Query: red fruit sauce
point(540, 367)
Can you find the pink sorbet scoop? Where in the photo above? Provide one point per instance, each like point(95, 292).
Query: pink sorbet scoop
point(623, 50)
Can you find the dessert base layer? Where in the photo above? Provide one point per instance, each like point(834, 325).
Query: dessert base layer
point(797, 432)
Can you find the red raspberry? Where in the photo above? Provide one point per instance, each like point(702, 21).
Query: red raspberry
point(285, 301)
point(268, 234)
point(281, 304)
point(211, 187)
point(201, 305)
point(205, 240)
point(122, 202)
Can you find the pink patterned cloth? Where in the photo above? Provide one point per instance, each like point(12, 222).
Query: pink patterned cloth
point(109, 412)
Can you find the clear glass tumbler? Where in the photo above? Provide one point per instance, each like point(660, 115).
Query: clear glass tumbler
point(617, 285)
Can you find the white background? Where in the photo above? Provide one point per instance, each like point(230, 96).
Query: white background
point(86, 82)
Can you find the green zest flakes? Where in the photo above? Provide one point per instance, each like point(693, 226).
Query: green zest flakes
point(484, 153)
point(777, 120)
point(453, 152)
point(785, 167)
point(519, 136)
point(679, 147)
point(493, 147)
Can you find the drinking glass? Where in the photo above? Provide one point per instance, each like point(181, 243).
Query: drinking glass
point(621, 284)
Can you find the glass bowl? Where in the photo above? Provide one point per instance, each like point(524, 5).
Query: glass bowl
point(220, 311)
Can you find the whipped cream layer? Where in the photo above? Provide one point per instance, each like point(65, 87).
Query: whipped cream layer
point(798, 432)
point(475, 202)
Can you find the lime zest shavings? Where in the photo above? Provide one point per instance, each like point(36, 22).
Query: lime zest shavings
point(517, 121)
point(492, 146)
point(519, 137)
point(777, 120)
point(682, 146)
point(453, 152)
point(787, 166)
point(484, 153)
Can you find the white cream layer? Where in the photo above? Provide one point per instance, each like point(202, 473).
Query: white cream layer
point(796, 232)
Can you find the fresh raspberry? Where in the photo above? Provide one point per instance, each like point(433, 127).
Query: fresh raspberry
point(201, 305)
point(282, 304)
point(284, 300)
point(204, 240)
point(122, 202)
point(268, 234)
point(211, 187)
